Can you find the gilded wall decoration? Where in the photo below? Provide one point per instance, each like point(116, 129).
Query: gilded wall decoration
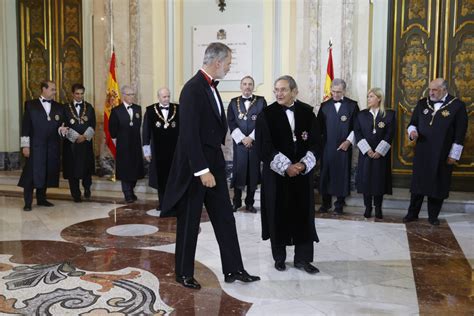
point(71, 19)
point(416, 9)
point(463, 69)
point(72, 70)
point(414, 69)
point(467, 7)
point(37, 70)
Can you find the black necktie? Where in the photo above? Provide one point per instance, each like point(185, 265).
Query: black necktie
point(48, 101)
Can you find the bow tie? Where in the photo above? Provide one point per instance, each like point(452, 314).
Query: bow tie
point(247, 99)
point(214, 83)
point(337, 103)
point(129, 107)
point(78, 104)
point(47, 101)
point(291, 108)
point(164, 108)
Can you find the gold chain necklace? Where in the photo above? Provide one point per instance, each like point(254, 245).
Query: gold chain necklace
point(83, 118)
point(441, 107)
point(165, 121)
point(243, 116)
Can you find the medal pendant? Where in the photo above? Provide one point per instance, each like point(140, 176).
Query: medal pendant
point(49, 119)
point(131, 123)
point(374, 131)
point(81, 122)
point(294, 138)
point(85, 118)
point(241, 116)
point(72, 121)
point(158, 124)
point(245, 118)
point(166, 125)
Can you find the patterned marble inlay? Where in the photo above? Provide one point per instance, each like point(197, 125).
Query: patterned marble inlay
point(132, 230)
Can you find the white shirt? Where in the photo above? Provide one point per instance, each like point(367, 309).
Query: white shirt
point(165, 112)
point(46, 105)
point(214, 93)
point(78, 108)
point(337, 105)
point(129, 110)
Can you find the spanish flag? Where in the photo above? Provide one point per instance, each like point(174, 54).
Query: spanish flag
point(329, 76)
point(112, 100)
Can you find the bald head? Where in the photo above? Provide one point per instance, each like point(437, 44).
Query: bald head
point(438, 88)
point(164, 96)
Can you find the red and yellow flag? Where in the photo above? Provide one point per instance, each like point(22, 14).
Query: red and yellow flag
point(329, 76)
point(112, 100)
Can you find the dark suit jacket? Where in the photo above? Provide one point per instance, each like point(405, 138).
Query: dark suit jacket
point(202, 131)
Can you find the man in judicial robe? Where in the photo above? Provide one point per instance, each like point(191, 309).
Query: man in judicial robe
point(78, 150)
point(41, 130)
point(336, 117)
point(199, 175)
point(242, 116)
point(288, 142)
point(438, 125)
point(124, 127)
point(160, 134)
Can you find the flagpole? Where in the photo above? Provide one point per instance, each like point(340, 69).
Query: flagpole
point(111, 53)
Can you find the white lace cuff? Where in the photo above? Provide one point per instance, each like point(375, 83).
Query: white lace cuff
point(147, 151)
point(252, 135)
point(456, 151)
point(364, 146)
point(72, 135)
point(383, 147)
point(237, 135)
point(114, 140)
point(351, 138)
point(280, 163)
point(410, 129)
point(25, 141)
point(309, 161)
point(89, 133)
point(200, 173)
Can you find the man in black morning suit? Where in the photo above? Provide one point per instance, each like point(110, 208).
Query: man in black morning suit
point(78, 149)
point(124, 126)
point(199, 172)
point(41, 128)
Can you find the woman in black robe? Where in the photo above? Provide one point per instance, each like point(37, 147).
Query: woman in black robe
point(374, 128)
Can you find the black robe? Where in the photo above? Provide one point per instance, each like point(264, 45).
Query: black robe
point(245, 159)
point(162, 142)
point(287, 204)
point(42, 167)
point(374, 176)
point(431, 174)
point(78, 158)
point(335, 176)
point(129, 158)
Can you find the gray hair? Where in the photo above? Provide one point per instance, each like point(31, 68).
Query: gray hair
point(216, 51)
point(339, 82)
point(247, 77)
point(444, 84)
point(289, 79)
point(161, 89)
point(126, 88)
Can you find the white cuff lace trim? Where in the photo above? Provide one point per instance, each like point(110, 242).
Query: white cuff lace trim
point(89, 133)
point(364, 146)
point(237, 135)
point(309, 160)
point(72, 135)
point(456, 151)
point(280, 163)
point(410, 129)
point(147, 151)
point(252, 135)
point(25, 141)
point(383, 147)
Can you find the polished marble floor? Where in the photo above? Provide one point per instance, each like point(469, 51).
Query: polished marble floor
point(105, 258)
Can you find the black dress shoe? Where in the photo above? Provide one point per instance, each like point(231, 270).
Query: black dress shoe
point(306, 266)
point(241, 275)
point(235, 208)
point(45, 203)
point(134, 197)
point(27, 208)
point(129, 200)
point(434, 222)
point(189, 282)
point(338, 210)
point(323, 209)
point(87, 193)
point(378, 213)
point(408, 219)
point(77, 200)
point(251, 209)
point(280, 265)
point(368, 212)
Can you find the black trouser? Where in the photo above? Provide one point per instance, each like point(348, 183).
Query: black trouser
point(434, 206)
point(127, 189)
point(327, 199)
point(378, 199)
point(220, 213)
point(249, 199)
point(28, 194)
point(303, 252)
point(74, 185)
